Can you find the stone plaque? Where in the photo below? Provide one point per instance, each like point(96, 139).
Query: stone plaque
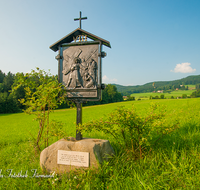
point(73, 158)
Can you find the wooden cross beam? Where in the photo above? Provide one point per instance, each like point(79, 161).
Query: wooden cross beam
point(80, 18)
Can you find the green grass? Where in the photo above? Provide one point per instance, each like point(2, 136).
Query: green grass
point(191, 87)
point(174, 163)
point(175, 94)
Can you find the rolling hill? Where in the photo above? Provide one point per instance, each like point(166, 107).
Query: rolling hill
point(159, 85)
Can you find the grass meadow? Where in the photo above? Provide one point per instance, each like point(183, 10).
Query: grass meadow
point(175, 94)
point(173, 163)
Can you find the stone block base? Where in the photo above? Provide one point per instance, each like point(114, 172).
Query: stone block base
point(98, 149)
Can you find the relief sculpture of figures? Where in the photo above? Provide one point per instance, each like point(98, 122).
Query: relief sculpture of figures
point(80, 68)
point(74, 74)
point(90, 75)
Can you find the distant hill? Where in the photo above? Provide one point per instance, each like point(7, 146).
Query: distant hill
point(159, 85)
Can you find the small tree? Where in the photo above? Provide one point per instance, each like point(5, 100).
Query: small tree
point(130, 98)
point(162, 96)
point(43, 93)
point(184, 95)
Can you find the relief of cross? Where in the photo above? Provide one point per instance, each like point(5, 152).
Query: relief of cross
point(83, 18)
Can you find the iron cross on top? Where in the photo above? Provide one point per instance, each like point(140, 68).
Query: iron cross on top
point(83, 18)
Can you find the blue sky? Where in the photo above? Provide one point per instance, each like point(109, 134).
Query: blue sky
point(151, 40)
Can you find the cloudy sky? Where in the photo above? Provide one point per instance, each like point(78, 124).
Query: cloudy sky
point(151, 40)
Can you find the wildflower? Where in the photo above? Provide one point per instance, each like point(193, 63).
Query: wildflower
point(52, 173)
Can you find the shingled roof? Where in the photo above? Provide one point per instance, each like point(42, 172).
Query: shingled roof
point(69, 38)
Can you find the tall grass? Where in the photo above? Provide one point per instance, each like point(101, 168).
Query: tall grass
point(173, 163)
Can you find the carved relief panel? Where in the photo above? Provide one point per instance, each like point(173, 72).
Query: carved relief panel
point(80, 70)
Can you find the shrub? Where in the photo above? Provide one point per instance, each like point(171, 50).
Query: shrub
point(132, 132)
point(184, 96)
point(43, 93)
point(162, 96)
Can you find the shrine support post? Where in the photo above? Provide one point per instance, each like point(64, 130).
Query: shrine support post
point(78, 119)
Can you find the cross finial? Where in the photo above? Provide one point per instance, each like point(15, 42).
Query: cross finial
point(83, 18)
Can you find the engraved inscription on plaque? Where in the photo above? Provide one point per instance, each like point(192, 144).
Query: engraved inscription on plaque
point(73, 158)
point(78, 94)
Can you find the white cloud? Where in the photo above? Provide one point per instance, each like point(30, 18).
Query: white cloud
point(183, 68)
point(105, 79)
point(113, 80)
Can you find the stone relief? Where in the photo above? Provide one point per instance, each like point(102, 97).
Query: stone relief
point(80, 67)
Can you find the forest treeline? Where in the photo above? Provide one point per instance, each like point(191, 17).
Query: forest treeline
point(166, 86)
point(9, 100)
point(112, 93)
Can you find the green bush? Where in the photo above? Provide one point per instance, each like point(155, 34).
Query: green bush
point(132, 132)
point(43, 93)
point(162, 96)
point(184, 96)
